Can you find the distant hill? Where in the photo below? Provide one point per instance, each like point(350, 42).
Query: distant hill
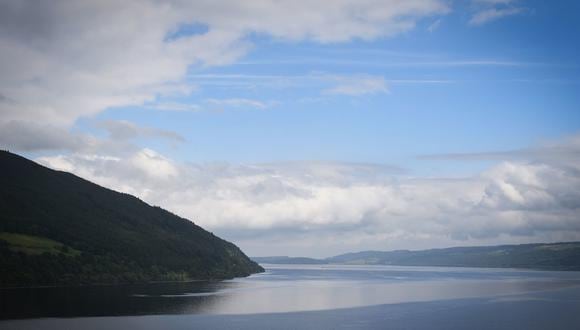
point(288, 260)
point(56, 228)
point(553, 256)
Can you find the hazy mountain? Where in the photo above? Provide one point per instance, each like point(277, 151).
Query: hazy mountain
point(557, 256)
point(288, 260)
point(56, 228)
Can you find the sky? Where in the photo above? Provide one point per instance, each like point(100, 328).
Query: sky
point(309, 128)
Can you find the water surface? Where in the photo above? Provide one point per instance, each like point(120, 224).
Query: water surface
point(326, 296)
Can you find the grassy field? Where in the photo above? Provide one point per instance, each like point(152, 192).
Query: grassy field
point(36, 245)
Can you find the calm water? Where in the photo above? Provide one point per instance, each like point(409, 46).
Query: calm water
point(312, 297)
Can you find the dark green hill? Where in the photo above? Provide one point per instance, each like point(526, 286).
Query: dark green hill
point(56, 228)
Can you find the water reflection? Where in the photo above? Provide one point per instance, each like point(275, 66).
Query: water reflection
point(282, 289)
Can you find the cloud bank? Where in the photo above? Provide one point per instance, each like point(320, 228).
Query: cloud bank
point(337, 206)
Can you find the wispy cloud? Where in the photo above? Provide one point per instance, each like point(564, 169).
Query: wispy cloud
point(494, 2)
point(241, 103)
point(434, 26)
point(491, 10)
point(493, 14)
point(435, 63)
point(325, 83)
point(125, 130)
point(566, 150)
point(357, 85)
point(173, 106)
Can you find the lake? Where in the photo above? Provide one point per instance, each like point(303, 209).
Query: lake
point(312, 297)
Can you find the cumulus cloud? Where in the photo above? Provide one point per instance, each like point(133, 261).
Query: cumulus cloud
point(344, 206)
point(534, 187)
point(119, 173)
point(61, 60)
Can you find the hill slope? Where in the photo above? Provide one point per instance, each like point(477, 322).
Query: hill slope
point(56, 228)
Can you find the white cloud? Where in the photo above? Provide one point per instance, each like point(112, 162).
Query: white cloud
point(153, 164)
point(61, 60)
point(351, 206)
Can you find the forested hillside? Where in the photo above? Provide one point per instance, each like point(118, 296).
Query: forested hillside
point(56, 228)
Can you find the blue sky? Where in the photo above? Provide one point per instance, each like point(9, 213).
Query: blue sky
point(310, 128)
point(502, 85)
